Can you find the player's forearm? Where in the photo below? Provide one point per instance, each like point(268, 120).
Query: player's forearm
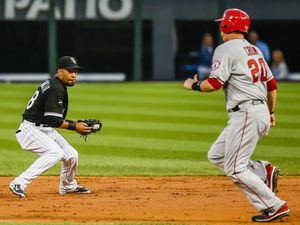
point(79, 127)
point(59, 122)
point(271, 100)
point(202, 86)
point(64, 125)
point(68, 124)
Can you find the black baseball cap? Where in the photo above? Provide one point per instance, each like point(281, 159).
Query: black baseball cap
point(68, 62)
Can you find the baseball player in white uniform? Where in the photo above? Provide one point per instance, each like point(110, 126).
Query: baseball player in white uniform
point(250, 91)
point(46, 110)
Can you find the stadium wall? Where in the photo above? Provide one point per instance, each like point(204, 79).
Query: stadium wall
point(100, 33)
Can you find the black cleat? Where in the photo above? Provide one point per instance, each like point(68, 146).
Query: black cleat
point(82, 190)
point(79, 189)
point(17, 190)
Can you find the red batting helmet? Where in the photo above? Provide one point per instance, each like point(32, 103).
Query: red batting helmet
point(234, 20)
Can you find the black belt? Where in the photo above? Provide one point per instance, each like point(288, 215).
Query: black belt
point(252, 101)
point(37, 124)
point(41, 125)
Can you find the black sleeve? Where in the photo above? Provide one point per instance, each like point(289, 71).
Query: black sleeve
point(54, 102)
point(53, 121)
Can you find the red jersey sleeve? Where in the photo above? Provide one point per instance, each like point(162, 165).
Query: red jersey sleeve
point(271, 84)
point(214, 82)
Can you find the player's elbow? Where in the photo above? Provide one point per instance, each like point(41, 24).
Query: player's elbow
point(211, 84)
point(53, 121)
point(272, 92)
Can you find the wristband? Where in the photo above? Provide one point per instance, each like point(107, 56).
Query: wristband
point(196, 86)
point(271, 113)
point(71, 126)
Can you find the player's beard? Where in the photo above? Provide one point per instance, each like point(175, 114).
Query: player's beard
point(71, 83)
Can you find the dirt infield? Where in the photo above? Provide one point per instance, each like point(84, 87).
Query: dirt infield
point(190, 200)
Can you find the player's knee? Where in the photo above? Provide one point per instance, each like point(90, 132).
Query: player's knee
point(75, 156)
point(210, 157)
point(73, 160)
point(60, 155)
point(213, 158)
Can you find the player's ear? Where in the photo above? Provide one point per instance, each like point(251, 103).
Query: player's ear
point(59, 71)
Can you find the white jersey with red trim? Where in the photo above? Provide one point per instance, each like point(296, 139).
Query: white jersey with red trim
point(242, 70)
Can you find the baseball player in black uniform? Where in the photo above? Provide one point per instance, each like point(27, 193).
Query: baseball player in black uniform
point(45, 111)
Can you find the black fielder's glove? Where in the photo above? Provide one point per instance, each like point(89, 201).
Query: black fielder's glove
point(95, 125)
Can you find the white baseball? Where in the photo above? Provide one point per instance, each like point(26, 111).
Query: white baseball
point(96, 127)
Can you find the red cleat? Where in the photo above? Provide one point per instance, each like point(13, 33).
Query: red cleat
point(270, 215)
point(272, 177)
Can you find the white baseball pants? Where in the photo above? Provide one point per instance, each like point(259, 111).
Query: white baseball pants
point(51, 148)
point(232, 150)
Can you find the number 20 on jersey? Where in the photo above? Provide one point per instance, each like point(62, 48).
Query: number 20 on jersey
point(258, 69)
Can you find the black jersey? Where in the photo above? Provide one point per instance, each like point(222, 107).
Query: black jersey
point(50, 99)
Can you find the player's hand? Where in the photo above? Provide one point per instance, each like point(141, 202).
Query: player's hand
point(196, 77)
point(82, 128)
point(188, 83)
point(272, 120)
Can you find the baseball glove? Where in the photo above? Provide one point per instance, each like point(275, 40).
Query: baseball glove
point(94, 123)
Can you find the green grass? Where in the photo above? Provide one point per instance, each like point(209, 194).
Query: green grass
point(151, 129)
